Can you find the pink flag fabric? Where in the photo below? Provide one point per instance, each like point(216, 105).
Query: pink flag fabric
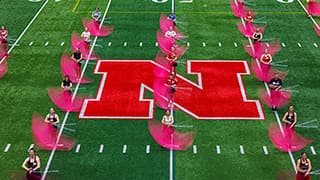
point(247, 29)
point(63, 99)
point(162, 60)
point(288, 140)
point(94, 28)
point(3, 50)
point(169, 138)
point(238, 9)
point(313, 8)
point(273, 48)
point(165, 23)
point(165, 43)
point(276, 98)
point(3, 68)
point(263, 72)
point(45, 135)
point(71, 68)
point(78, 42)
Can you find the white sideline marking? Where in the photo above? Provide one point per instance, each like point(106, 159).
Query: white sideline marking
point(283, 44)
point(315, 45)
point(140, 44)
point(25, 30)
point(78, 148)
point(194, 149)
point(46, 44)
point(125, 44)
point(30, 44)
point(218, 149)
point(235, 44)
point(241, 149)
point(62, 44)
point(204, 44)
point(299, 45)
point(156, 44)
point(31, 146)
point(313, 151)
point(220, 45)
point(148, 149)
point(101, 148)
point(265, 150)
point(124, 149)
point(7, 148)
point(109, 44)
point(188, 44)
point(74, 94)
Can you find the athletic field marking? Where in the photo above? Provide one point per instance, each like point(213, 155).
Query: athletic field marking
point(109, 44)
point(62, 44)
point(7, 148)
point(283, 44)
point(125, 44)
point(78, 148)
point(75, 93)
point(148, 149)
point(219, 44)
point(275, 112)
point(25, 30)
point(235, 44)
point(197, 12)
point(101, 148)
point(156, 44)
point(35, 0)
point(218, 149)
point(194, 147)
point(47, 43)
point(30, 44)
point(124, 149)
point(140, 44)
point(188, 44)
point(265, 150)
point(313, 151)
point(241, 149)
point(31, 146)
point(75, 7)
point(204, 44)
point(315, 45)
point(299, 45)
point(186, 1)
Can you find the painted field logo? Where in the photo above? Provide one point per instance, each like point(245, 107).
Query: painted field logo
point(218, 93)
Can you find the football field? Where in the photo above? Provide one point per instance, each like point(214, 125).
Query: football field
point(226, 145)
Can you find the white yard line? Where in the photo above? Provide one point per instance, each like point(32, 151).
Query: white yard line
point(313, 151)
point(26, 29)
point(241, 149)
point(275, 112)
point(101, 148)
point(218, 149)
point(265, 150)
point(7, 148)
point(78, 148)
point(195, 150)
point(74, 94)
point(148, 149)
point(124, 149)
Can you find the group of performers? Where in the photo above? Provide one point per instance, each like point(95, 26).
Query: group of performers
point(274, 78)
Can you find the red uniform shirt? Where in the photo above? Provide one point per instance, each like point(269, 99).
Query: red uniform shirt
point(266, 58)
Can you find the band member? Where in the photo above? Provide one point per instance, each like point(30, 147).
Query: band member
point(32, 166)
point(172, 17)
point(275, 85)
point(172, 82)
point(172, 58)
point(96, 15)
point(303, 167)
point(4, 37)
point(290, 117)
point(85, 35)
point(77, 57)
point(171, 33)
point(257, 35)
point(249, 17)
point(167, 119)
point(66, 84)
point(52, 118)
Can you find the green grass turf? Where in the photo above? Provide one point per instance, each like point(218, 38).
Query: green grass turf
point(32, 69)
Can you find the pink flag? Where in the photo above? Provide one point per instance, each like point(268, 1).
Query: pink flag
point(273, 48)
point(168, 137)
point(45, 135)
point(94, 28)
point(317, 28)
point(288, 140)
point(3, 50)
point(239, 9)
point(313, 8)
point(63, 99)
point(72, 68)
point(165, 43)
point(262, 71)
point(3, 68)
point(162, 60)
point(165, 23)
point(78, 42)
point(276, 98)
point(247, 29)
